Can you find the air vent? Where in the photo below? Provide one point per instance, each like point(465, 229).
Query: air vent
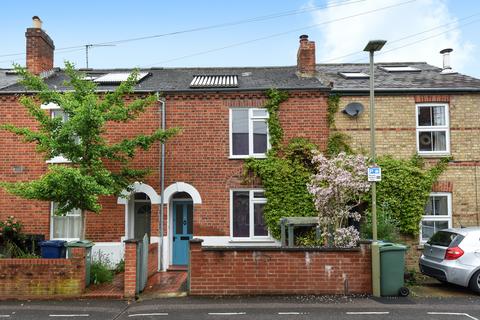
point(399, 69)
point(116, 78)
point(354, 75)
point(214, 81)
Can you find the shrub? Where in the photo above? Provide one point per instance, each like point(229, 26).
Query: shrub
point(120, 267)
point(100, 272)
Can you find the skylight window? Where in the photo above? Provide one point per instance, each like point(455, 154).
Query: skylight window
point(115, 78)
point(400, 69)
point(354, 75)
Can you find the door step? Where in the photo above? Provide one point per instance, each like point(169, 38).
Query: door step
point(177, 268)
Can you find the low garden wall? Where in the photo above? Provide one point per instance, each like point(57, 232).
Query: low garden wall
point(43, 278)
point(152, 259)
point(263, 270)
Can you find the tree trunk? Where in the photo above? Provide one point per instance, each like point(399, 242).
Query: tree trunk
point(83, 224)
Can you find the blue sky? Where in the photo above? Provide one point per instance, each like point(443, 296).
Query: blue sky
point(416, 31)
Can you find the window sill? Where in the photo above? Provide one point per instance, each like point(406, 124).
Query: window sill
point(246, 157)
point(434, 155)
point(58, 159)
point(420, 247)
point(253, 241)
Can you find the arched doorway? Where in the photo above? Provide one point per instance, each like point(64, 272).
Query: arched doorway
point(182, 227)
point(142, 215)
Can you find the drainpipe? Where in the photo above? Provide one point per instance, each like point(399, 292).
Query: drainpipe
point(162, 186)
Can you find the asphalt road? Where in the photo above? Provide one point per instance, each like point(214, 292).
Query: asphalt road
point(297, 308)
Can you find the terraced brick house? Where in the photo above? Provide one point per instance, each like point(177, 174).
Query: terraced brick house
point(421, 109)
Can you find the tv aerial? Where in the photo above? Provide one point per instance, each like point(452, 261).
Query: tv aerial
point(88, 46)
point(353, 109)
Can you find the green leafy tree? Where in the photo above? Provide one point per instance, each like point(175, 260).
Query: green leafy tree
point(81, 139)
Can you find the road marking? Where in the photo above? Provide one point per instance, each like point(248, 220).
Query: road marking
point(147, 314)
point(226, 313)
point(69, 315)
point(453, 314)
point(292, 313)
point(369, 312)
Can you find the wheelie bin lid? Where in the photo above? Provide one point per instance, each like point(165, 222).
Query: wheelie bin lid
point(53, 243)
point(388, 246)
point(80, 244)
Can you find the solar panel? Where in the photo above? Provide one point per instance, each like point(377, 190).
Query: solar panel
point(354, 75)
point(214, 81)
point(118, 77)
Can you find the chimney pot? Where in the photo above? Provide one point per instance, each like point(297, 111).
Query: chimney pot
point(447, 68)
point(37, 22)
point(304, 37)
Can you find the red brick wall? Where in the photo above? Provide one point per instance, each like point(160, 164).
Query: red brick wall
point(276, 271)
point(130, 279)
point(198, 156)
point(152, 259)
point(43, 278)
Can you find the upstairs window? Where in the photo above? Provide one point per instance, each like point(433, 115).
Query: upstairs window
point(433, 136)
point(247, 221)
point(248, 132)
point(57, 112)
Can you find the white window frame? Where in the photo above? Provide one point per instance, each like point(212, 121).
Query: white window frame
point(445, 128)
point(52, 214)
point(251, 202)
point(251, 120)
point(438, 218)
point(52, 107)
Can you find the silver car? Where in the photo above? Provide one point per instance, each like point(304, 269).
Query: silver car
point(453, 255)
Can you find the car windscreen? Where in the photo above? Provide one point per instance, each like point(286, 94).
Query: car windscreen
point(446, 239)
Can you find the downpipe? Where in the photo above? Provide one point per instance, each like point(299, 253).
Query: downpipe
point(162, 184)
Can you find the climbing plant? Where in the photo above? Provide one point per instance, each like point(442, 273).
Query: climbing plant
point(285, 172)
point(405, 187)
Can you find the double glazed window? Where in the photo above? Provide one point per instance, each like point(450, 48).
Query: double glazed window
point(247, 207)
point(433, 136)
point(437, 215)
point(57, 112)
point(248, 132)
point(66, 226)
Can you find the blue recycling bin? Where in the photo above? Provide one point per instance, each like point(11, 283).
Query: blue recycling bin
point(53, 249)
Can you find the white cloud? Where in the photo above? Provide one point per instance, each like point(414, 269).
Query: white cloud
point(350, 35)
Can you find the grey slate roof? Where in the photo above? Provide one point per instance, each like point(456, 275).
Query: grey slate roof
point(262, 78)
point(7, 78)
point(178, 79)
point(428, 79)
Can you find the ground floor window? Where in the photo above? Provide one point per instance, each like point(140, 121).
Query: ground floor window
point(437, 215)
point(247, 207)
point(66, 226)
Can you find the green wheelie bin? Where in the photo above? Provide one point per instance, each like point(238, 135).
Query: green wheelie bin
point(87, 244)
point(392, 267)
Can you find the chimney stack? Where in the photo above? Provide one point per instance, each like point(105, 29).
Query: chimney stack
point(40, 48)
point(306, 57)
point(447, 68)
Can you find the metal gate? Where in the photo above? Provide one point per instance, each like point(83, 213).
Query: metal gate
point(142, 264)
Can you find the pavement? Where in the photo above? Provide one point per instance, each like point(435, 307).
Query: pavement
point(242, 308)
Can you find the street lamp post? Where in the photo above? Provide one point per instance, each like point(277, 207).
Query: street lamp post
point(372, 46)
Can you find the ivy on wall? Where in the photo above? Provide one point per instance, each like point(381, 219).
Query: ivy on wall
point(285, 172)
point(405, 188)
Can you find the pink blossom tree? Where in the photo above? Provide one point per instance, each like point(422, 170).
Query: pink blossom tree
point(337, 186)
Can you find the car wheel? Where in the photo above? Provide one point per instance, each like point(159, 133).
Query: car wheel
point(475, 282)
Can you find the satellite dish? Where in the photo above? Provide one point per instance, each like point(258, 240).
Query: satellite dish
point(353, 109)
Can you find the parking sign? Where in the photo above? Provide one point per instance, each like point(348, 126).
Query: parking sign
point(374, 174)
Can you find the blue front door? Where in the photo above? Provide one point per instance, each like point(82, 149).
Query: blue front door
point(182, 231)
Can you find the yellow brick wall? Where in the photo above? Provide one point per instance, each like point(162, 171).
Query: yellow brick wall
point(396, 135)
